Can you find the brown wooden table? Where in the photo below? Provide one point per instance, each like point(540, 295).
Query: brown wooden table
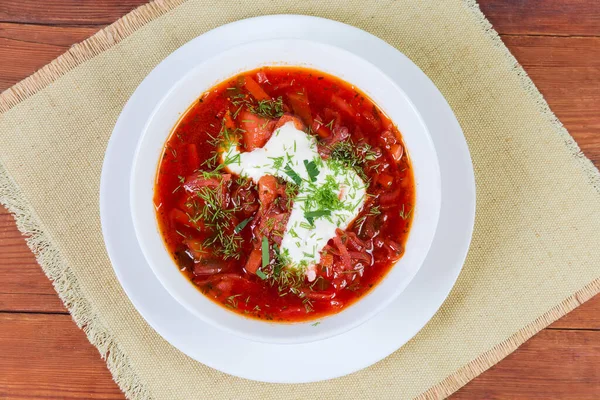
point(44, 355)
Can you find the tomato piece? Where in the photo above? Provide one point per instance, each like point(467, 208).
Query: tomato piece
point(394, 248)
point(339, 134)
point(389, 199)
point(267, 190)
point(179, 217)
point(320, 129)
point(343, 105)
point(255, 89)
point(290, 118)
point(397, 152)
point(195, 249)
point(301, 107)
point(388, 138)
point(193, 159)
point(368, 115)
point(257, 130)
point(385, 180)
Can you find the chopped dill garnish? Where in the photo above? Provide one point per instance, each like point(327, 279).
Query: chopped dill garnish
point(352, 155)
point(265, 252)
point(311, 215)
point(292, 174)
point(405, 215)
point(232, 301)
point(291, 190)
point(219, 220)
point(311, 169)
point(236, 112)
point(261, 274)
point(267, 108)
point(277, 162)
point(242, 225)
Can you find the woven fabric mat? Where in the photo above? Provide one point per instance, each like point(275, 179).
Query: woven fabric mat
point(535, 251)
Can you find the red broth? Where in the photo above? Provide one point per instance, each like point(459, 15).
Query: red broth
point(213, 222)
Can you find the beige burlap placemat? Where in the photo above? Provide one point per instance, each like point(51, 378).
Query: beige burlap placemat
point(535, 253)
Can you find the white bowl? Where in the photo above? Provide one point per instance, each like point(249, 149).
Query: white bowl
point(335, 61)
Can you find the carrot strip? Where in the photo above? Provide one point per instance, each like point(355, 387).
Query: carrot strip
point(229, 122)
point(254, 261)
point(255, 90)
point(301, 107)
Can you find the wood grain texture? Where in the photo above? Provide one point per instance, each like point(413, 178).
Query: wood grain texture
point(544, 17)
point(66, 12)
point(44, 355)
point(64, 36)
point(552, 365)
point(47, 356)
point(586, 317)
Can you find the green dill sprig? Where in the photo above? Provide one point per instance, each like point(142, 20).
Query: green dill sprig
point(292, 174)
point(352, 155)
point(219, 219)
point(405, 214)
point(267, 108)
point(311, 169)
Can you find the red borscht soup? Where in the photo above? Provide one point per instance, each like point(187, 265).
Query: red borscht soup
point(284, 194)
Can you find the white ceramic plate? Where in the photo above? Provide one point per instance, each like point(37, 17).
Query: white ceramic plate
point(329, 59)
point(371, 341)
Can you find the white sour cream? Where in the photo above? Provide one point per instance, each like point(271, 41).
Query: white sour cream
point(290, 148)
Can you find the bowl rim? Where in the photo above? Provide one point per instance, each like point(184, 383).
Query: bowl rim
point(142, 235)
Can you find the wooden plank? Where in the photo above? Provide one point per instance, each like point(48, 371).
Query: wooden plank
point(66, 12)
point(554, 364)
point(543, 17)
point(31, 303)
point(47, 356)
point(24, 287)
point(586, 316)
point(573, 95)
point(566, 70)
point(19, 271)
point(21, 59)
point(64, 36)
point(534, 17)
point(552, 51)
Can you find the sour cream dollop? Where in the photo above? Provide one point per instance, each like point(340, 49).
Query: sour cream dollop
point(330, 195)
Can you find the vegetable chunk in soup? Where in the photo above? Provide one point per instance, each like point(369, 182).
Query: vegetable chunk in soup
point(285, 194)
